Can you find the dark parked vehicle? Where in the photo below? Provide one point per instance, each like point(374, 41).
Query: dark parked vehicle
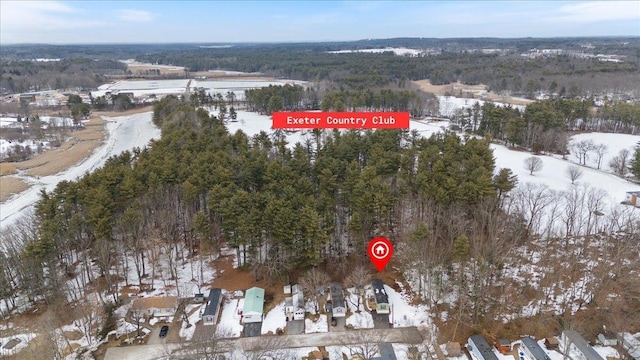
point(163, 331)
point(334, 321)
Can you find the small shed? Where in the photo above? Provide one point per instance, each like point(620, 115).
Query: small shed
point(608, 338)
point(211, 311)
point(551, 343)
point(631, 198)
point(503, 345)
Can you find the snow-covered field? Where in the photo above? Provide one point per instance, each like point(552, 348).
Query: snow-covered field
point(397, 51)
point(123, 133)
point(448, 105)
point(141, 88)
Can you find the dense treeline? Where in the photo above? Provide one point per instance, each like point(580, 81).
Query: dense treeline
point(288, 97)
point(543, 126)
point(281, 97)
point(510, 73)
point(25, 76)
point(281, 208)
point(416, 102)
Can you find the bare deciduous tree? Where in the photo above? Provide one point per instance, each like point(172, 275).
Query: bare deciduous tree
point(533, 164)
point(358, 279)
point(574, 173)
point(363, 343)
point(620, 163)
point(581, 150)
point(601, 150)
point(313, 282)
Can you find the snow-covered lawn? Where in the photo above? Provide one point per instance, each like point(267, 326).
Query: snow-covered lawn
point(274, 320)
point(230, 320)
point(404, 314)
point(193, 313)
point(614, 143)
point(320, 326)
point(359, 318)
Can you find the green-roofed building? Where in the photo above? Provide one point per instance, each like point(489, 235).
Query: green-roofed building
point(253, 305)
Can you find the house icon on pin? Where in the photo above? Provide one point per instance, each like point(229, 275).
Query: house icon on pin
point(380, 250)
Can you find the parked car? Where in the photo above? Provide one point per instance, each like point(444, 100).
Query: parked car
point(163, 331)
point(334, 321)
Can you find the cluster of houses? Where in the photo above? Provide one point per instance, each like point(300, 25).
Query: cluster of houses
point(251, 307)
point(571, 344)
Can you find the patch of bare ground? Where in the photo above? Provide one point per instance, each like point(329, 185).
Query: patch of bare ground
point(7, 169)
point(472, 91)
point(134, 111)
point(11, 185)
point(233, 279)
point(426, 86)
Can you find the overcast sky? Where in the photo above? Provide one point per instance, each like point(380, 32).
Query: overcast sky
point(73, 22)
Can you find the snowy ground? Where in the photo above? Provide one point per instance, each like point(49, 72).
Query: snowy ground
point(274, 320)
point(230, 320)
point(403, 314)
point(359, 318)
point(33, 145)
point(311, 327)
point(193, 312)
point(397, 51)
point(123, 133)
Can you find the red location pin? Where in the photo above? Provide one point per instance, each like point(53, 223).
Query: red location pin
point(380, 250)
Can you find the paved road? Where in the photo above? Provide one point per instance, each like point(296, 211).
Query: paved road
point(395, 335)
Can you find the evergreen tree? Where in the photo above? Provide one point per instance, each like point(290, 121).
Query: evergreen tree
point(635, 162)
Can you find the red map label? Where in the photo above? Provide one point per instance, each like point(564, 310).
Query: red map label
point(340, 120)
